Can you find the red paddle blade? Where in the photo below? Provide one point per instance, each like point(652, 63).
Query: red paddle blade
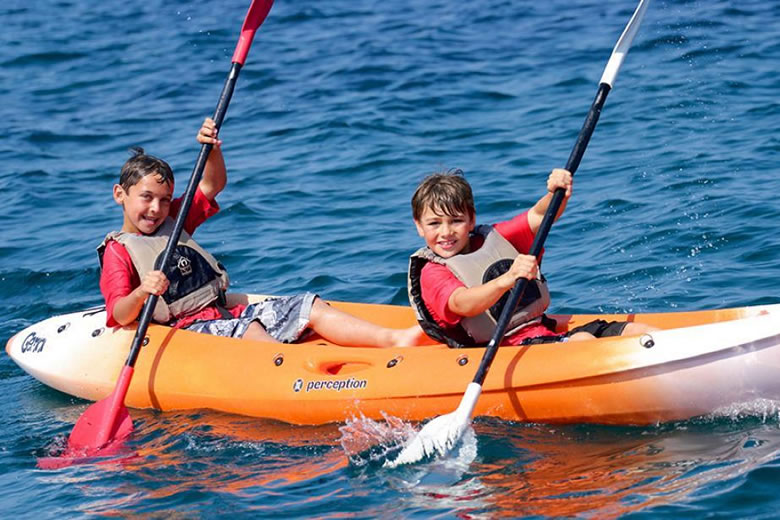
point(106, 421)
point(98, 436)
point(100, 425)
point(254, 17)
point(114, 453)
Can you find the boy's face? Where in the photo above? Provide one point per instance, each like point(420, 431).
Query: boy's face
point(446, 235)
point(146, 204)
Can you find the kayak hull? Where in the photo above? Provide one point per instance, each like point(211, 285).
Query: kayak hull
point(702, 363)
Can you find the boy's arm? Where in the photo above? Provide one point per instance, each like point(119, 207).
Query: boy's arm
point(214, 174)
point(127, 308)
point(120, 286)
point(471, 301)
point(559, 178)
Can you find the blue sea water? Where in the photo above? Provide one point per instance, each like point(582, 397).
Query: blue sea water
point(342, 107)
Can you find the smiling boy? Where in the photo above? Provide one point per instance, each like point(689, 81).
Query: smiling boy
point(460, 280)
point(192, 289)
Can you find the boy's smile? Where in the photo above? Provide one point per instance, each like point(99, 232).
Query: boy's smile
point(445, 235)
point(146, 204)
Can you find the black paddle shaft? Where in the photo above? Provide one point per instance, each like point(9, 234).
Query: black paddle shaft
point(189, 194)
point(541, 235)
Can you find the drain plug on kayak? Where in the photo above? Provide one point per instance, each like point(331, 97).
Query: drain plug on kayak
point(647, 341)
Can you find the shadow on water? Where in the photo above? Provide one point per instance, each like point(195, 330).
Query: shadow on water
point(242, 464)
point(511, 469)
point(610, 472)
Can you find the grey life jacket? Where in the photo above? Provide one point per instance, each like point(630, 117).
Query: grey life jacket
point(196, 278)
point(493, 259)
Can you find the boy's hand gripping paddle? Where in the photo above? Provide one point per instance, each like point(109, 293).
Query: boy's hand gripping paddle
point(441, 433)
point(107, 421)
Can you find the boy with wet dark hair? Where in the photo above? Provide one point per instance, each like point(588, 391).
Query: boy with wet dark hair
point(459, 282)
point(192, 290)
point(140, 165)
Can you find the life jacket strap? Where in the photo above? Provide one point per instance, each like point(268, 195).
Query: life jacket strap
point(221, 305)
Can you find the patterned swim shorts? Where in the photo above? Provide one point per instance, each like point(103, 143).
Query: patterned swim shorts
point(286, 318)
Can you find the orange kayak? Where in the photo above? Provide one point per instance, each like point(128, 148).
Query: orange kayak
point(702, 362)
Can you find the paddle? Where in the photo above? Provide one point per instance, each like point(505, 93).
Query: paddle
point(441, 433)
point(107, 420)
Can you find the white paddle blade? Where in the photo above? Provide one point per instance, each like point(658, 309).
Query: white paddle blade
point(624, 44)
point(440, 434)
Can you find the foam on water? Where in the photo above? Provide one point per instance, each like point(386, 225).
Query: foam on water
point(366, 441)
point(766, 410)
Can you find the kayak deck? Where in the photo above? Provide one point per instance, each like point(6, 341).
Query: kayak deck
point(701, 361)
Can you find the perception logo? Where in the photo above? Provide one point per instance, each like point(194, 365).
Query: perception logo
point(334, 385)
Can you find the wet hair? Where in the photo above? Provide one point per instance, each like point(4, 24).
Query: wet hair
point(140, 165)
point(446, 193)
